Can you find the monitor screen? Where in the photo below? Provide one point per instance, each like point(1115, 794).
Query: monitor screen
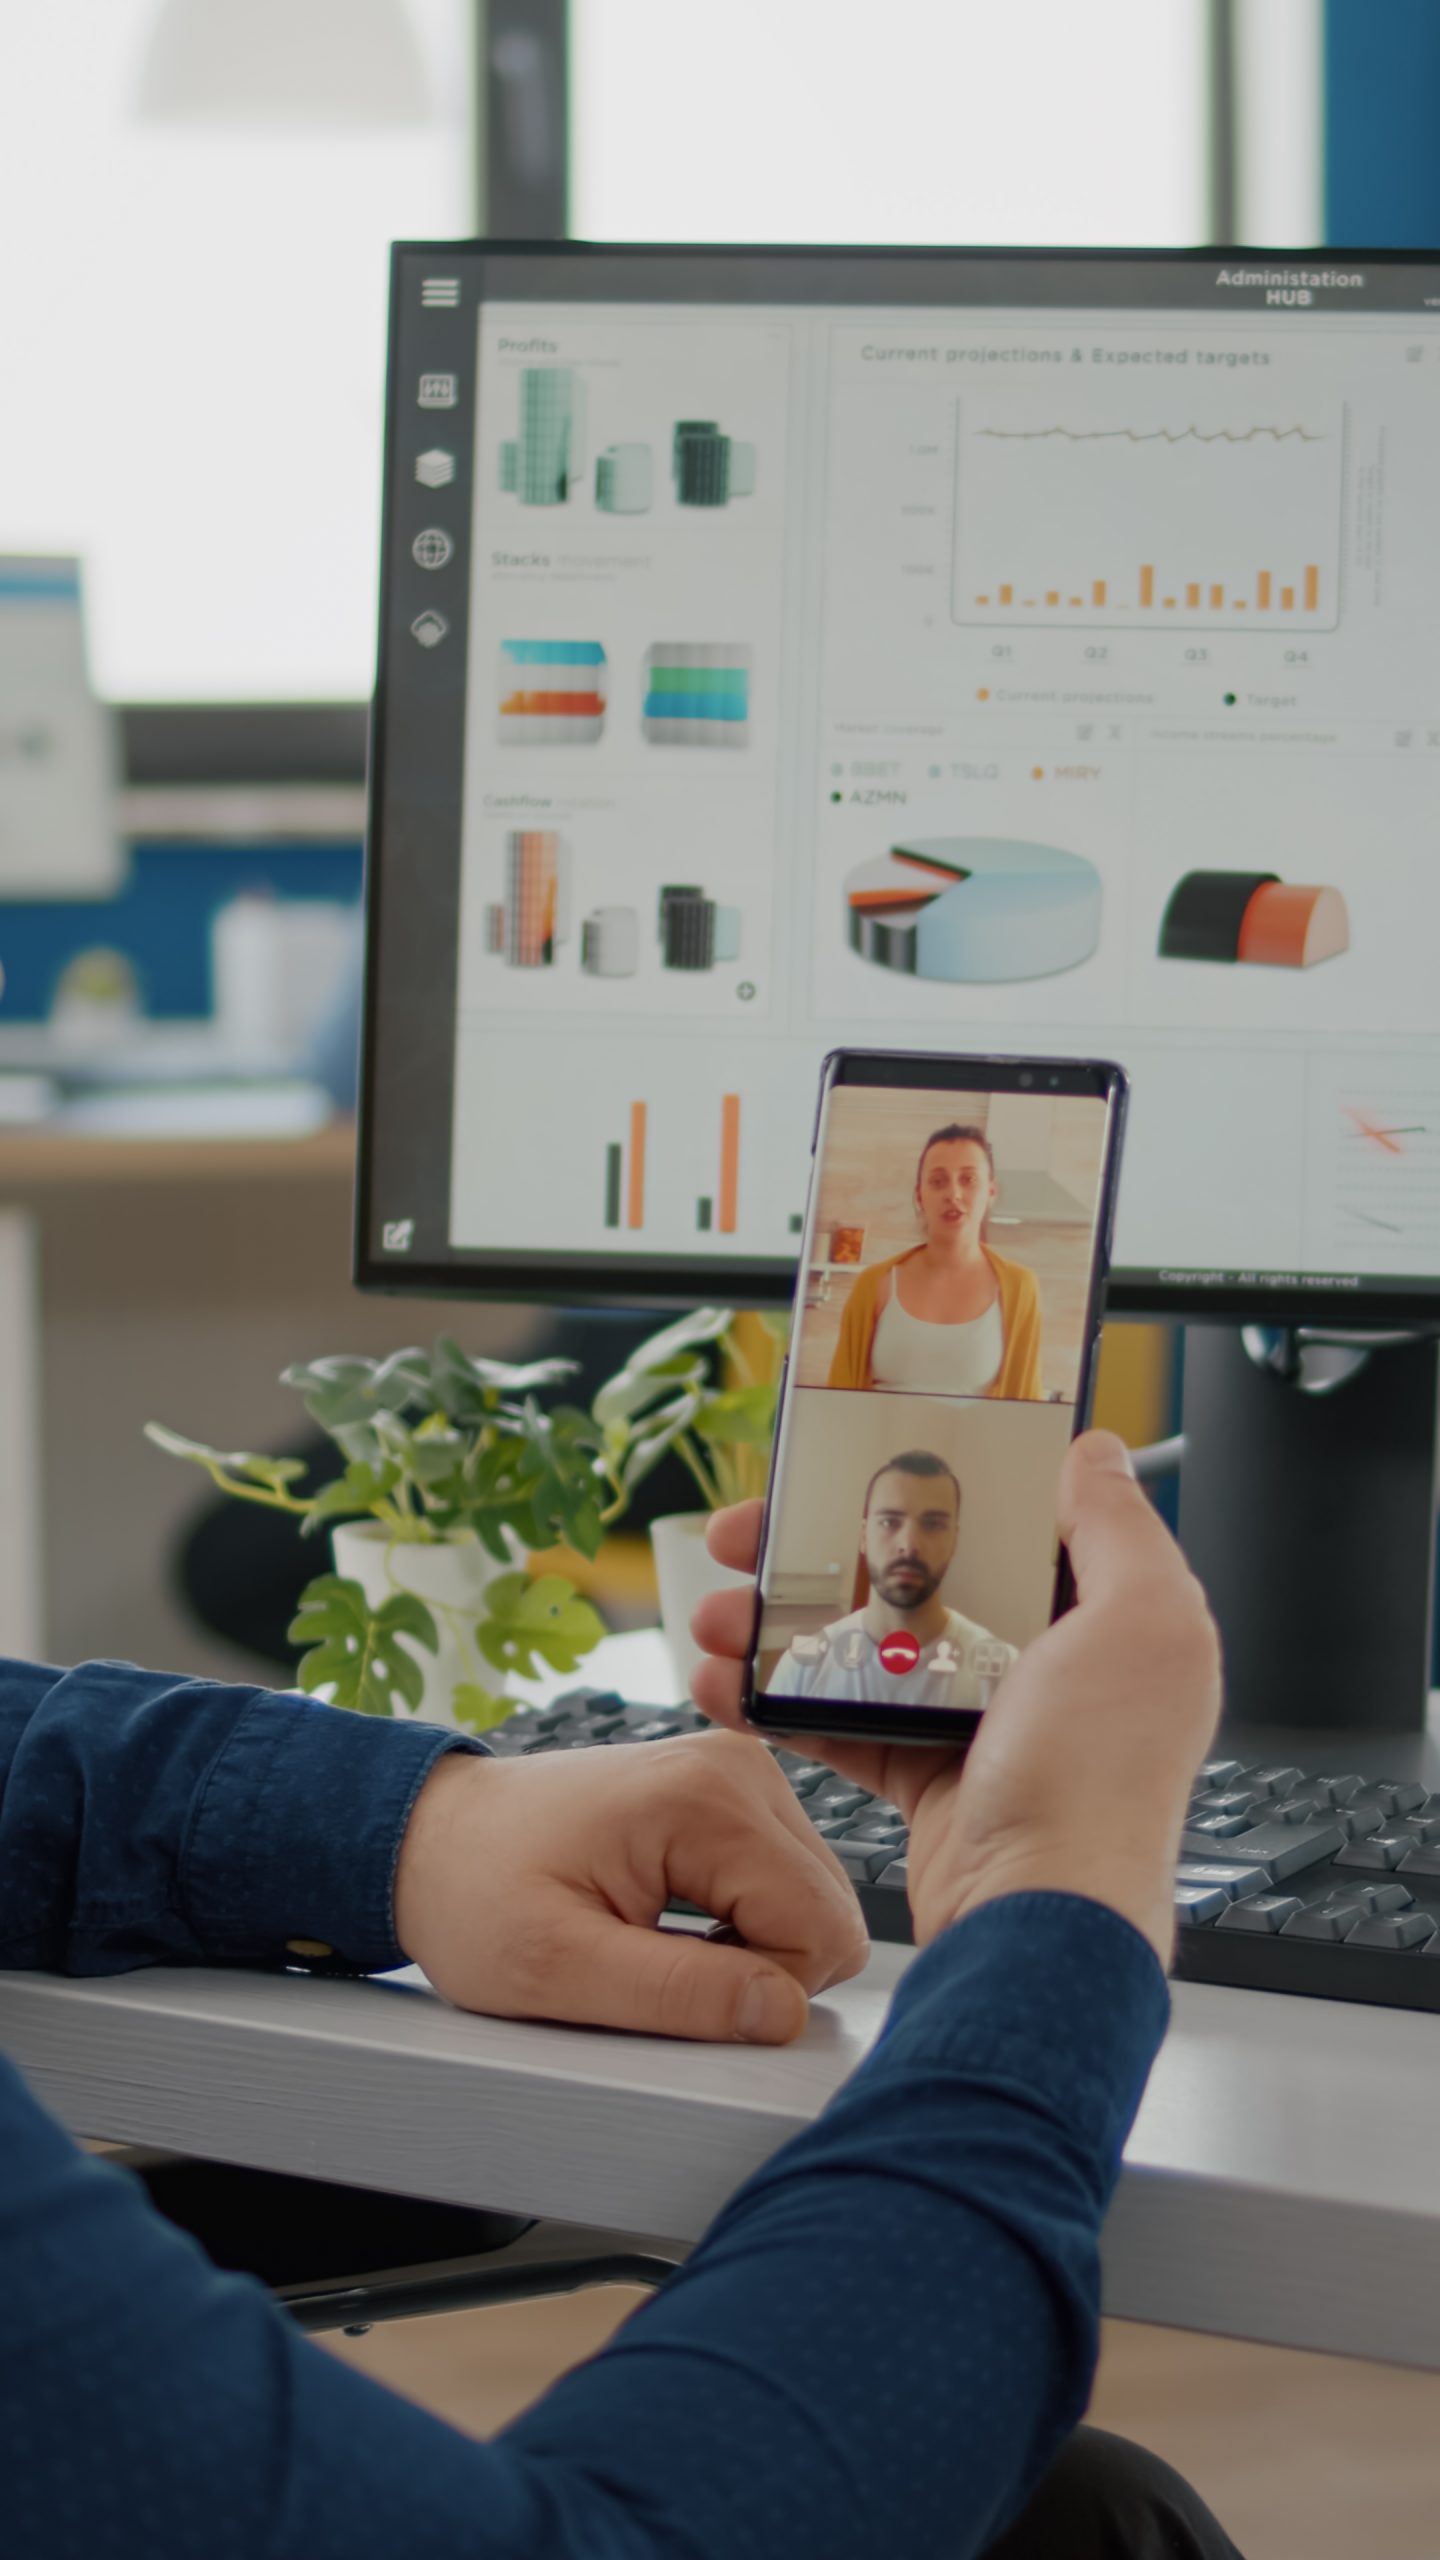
point(783, 649)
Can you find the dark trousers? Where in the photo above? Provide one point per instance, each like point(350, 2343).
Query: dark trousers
point(1106, 2499)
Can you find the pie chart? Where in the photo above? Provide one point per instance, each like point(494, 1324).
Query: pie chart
point(974, 908)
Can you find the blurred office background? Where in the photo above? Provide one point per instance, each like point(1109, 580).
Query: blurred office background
point(198, 196)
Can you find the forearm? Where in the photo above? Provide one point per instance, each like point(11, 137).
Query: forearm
point(147, 1819)
point(878, 2346)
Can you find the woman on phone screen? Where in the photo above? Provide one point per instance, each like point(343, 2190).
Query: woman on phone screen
point(950, 1316)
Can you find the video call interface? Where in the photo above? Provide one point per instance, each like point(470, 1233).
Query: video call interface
point(936, 1364)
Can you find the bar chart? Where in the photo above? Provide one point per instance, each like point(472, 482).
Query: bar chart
point(626, 1172)
point(1145, 522)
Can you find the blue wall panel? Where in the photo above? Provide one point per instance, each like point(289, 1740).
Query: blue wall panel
point(1382, 124)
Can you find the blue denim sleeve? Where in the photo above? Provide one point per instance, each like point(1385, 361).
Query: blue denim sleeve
point(877, 2347)
point(147, 1819)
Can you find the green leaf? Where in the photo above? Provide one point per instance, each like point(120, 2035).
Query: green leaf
point(468, 1389)
point(691, 1333)
point(361, 1488)
point(546, 1618)
point(252, 1464)
point(354, 1649)
point(479, 1710)
point(739, 1417)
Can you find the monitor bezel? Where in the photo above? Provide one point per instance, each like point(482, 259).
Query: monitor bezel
point(663, 1282)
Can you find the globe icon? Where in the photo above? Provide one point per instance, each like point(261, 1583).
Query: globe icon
point(432, 548)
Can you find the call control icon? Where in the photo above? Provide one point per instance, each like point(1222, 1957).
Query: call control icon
point(899, 1652)
point(851, 1648)
point(433, 547)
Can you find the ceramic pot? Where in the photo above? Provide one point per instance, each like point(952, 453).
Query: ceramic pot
point(450, 1576)
point(685, 1571)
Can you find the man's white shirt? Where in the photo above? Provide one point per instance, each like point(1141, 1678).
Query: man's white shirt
point(958, 1668)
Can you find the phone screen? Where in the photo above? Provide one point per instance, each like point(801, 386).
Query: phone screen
point(945, 1322)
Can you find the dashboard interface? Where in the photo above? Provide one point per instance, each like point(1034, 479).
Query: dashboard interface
point(791, 649)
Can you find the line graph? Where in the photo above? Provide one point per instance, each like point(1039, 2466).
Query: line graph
point(1203, 523)
point(1152, 435)
point(1385, 1179)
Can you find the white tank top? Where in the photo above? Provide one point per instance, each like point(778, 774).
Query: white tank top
point(909, 1355)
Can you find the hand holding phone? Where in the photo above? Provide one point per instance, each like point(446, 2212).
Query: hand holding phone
point(1079, 1780)
point(947, 1323)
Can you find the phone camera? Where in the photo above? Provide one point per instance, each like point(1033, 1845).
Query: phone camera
point(1025, 1076)
point(1054, 1082)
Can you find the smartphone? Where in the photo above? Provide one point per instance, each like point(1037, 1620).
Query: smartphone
point(947, 1322)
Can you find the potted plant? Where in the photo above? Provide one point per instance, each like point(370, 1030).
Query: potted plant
point(706, 1388)
point(454, 1470)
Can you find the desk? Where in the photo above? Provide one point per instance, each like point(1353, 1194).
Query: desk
point(1282, 2182)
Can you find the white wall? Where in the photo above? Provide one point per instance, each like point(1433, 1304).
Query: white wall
point(1007, 1457)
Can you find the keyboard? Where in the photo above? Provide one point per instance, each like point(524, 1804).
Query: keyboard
point(1328, 1886)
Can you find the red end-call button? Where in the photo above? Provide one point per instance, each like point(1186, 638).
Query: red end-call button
point(899, 1652)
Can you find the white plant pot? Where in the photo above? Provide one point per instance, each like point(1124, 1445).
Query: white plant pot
point(685, 1570)
point(450, 1576)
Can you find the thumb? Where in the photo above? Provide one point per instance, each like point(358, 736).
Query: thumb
point(671, 1982)
point(1113, 1534)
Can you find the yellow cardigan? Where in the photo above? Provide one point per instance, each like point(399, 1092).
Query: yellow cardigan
point(1018, 1375)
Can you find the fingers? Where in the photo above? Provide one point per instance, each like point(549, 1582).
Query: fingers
point(724, 1621)
point(1114, 1536)
point(739, 1846)
point(733, 1536)
point(665, 1982)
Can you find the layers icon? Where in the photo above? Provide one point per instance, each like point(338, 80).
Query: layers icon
point(697, 693)
point(974, 908)
point(552, 692)
point(527, 926)
point(1253, 916)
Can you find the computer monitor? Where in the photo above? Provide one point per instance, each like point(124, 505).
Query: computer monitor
point(785, 648)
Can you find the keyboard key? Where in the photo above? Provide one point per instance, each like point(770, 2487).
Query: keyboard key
point(837, 1796)
point(805, 1776)
point(1327, 1922)
point(1401, 1798)
point(1310, 1808)
point(1287, 1848)
point(1361, 1822)
point(1423, 1827)
point(862, 1860)
point(873, 1831)
point(1337, 1790)
point(1399, 1931)
point(1274, 1782)
point(1375, 1897)
point(1265, 1914)
point(895, 1877)
point(1197, 1903)
point(1385, 1850)
point(1217, 1826)
point(1423, 1859)
point(1234, 1800)
point(1218, 1773)
point(1232, 1880)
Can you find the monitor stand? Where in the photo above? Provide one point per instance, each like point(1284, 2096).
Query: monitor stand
point(1308, 1510)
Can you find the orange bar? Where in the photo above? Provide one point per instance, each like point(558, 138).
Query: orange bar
point(1027, 600)
point(1262, 588)
point(1097, 590)
point(1052, 595)
point(1239, 604)
point(1217, 598)
point(982, 599)
point(1192, 596)
point(635, 1204)
point(729, 1201)
point(1077, 599)
point(1167, 600)
point(1287, 599)
point(1007, 595)
point(1312, 588)
point(1147, 584)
